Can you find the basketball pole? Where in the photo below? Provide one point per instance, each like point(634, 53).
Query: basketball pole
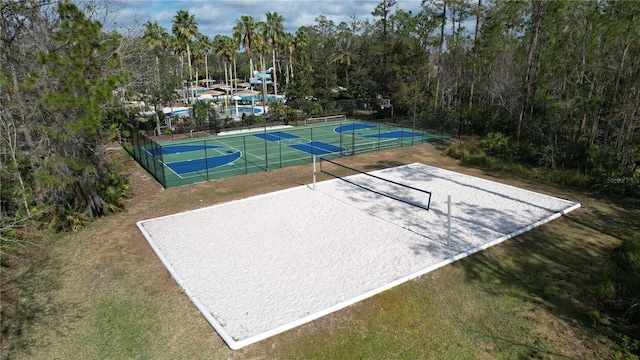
point(449, 220)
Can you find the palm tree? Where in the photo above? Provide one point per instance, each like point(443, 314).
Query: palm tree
point(225, 49)
point(206, 45)
point(288, 43)
point(184, 29)
point(155, 39)
point(245, 31)
point(198, 56)
point(261, 46)
point(235, 46)
point(275, 29)
point(301, 38)
point(346, 51)
point(174, 46)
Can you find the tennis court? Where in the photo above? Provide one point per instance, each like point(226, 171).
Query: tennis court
point(175, 163)
point(260, 266)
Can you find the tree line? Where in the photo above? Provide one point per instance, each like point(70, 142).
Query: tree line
point(549, 84)
point(555, 83)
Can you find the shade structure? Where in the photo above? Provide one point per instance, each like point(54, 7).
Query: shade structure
point(212, 93)
point(248, 92)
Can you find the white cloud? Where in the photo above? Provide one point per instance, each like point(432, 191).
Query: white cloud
point(219, 17)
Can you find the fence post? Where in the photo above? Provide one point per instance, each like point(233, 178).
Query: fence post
point(206, 159)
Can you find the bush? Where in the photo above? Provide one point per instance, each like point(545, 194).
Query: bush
point(486, 119)
point(627, 349)
point(114, 189)
point(276, 110)
point(498, 144)
point(201, 113)
point(616, 182)
point(568, 177)
point(461, 150)
point(316, 108)
point(249, 120)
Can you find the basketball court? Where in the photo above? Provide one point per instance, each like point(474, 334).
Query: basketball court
point(263, 265)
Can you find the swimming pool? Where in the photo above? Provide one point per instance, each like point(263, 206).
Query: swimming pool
point(238, 111)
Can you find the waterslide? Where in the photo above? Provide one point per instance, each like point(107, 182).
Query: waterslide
point(232, 110)
point(257, 77)
point(176, 111)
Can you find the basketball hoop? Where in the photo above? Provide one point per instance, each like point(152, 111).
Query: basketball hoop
point(385, 103)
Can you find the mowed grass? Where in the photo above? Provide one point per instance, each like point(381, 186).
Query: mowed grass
point(101, 293)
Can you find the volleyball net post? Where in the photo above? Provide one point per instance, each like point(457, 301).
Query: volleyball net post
point(314, 172)
point(449, 220)
point(404, 193)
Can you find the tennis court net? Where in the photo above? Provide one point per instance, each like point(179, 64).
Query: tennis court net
point(324, 119)
point(385, 187)
point(363, 147)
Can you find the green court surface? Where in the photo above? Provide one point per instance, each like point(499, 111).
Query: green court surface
point(175, 163)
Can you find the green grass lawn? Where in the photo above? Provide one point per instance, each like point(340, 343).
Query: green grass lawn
point(101, 293)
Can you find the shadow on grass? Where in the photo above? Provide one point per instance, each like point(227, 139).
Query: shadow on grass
point(613, 217)
point(27, 298)
point(555, 267)
point(533, 352)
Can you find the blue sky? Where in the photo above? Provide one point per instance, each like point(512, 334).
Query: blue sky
point(219, 16)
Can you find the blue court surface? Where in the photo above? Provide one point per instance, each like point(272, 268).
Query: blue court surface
point(187, 166)
point(317, 148)
point(352, 127)
point(277, 136)
point(177, 149)
point(398, 134)
point(193, 160)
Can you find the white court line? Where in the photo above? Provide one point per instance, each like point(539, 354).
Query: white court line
point(256, 278)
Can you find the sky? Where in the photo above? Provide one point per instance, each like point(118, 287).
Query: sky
point(218, 17)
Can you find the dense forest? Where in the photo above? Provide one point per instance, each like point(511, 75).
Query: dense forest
point(550, 85)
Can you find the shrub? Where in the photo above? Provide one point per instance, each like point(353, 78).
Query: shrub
point(615, 182)
point(497, 144)
point(276, 110)
point(568, 177)
point(459, 150)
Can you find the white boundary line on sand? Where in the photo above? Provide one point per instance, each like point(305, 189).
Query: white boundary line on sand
point(238, 344)
point(216, 325)
point(230, 341)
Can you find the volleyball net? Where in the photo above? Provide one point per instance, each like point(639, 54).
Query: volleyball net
point(378, 185)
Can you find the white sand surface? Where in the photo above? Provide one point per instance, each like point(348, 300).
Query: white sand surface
point(262, 265)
